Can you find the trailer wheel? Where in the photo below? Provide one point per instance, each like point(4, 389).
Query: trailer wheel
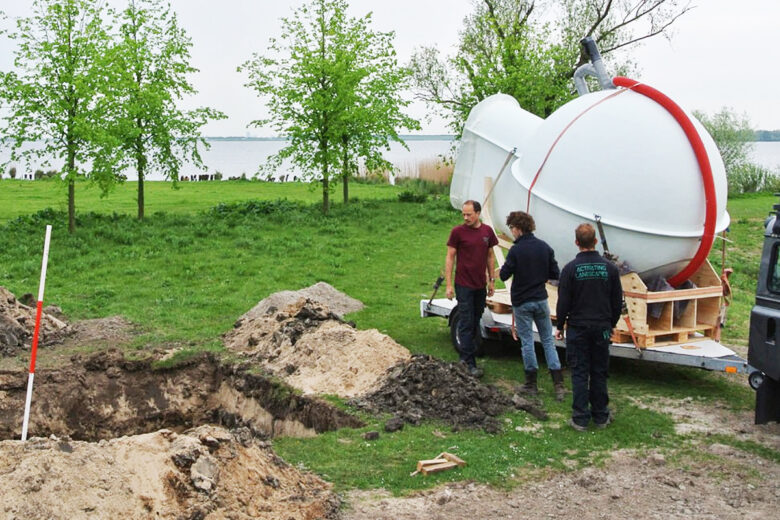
point(455, 335)
point(756, 379)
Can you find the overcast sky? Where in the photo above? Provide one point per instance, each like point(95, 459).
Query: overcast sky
point(721, 54)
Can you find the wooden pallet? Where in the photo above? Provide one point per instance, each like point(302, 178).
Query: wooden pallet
point(699, 320)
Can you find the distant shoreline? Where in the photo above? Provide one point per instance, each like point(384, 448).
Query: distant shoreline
point(432, 137)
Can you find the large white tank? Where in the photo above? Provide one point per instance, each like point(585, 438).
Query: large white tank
point(614, 153)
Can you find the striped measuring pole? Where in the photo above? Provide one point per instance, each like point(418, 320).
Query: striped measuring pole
point(36, 333)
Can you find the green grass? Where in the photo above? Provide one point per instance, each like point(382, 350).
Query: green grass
point(19, 198)
point(209, 252)
point(503, 459)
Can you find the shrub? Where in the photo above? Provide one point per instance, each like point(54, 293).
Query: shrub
point(411, 196)
point(12, 172)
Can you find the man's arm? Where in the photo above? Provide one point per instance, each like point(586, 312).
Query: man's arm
point(564, 303)
point(449, 266)
point(616, 297)
point(491, 267)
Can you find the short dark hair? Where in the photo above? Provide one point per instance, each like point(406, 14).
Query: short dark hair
point(474, 204)
point(585, 235)
point(522, 221)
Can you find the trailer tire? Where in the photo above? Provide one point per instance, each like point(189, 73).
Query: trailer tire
point(455, 336)
point(755, 379)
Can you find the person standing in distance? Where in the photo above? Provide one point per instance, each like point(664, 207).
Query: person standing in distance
point(470, 246)
point(531, 262)
point(590, 301)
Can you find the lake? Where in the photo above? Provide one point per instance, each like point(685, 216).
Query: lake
point(233, 158)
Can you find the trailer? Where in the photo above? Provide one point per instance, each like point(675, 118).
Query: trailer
point(701, 352)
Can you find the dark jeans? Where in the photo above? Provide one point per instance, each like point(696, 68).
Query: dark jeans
point(471, 305)
point(587, 352)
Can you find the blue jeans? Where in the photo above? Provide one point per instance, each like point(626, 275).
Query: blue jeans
point(471, 305)
point(526, 315)
point(587, 352)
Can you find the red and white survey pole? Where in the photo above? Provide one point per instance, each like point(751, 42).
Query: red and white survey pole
point(38, 311)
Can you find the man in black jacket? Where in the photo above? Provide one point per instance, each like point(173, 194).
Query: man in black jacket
point(589, 301)
point(531, 262)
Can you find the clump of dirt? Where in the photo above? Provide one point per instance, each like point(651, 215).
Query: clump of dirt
point(17, 324)
point(207, 472)
point(305, 343)
point(428, 388)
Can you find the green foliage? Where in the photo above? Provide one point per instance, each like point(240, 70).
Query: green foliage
point(733, 136)
point(333, 89)
point(58, 93)
point(151, 64)
point(530, 51)
point(411, 196)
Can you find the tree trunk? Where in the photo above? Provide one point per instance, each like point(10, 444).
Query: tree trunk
point(325, 190)
point(140, 165)
point(71, 176)
point(345, 171)
point(71, 206)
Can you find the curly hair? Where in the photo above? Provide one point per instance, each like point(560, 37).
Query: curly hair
point(522, 221)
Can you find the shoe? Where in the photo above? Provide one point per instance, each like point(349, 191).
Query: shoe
point(603, 425)
point(560, 390)
point(577, 426)
point(529, 387)
point(476, 372)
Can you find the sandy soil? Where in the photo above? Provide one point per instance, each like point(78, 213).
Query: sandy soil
point(307, 344)
point(207, 472)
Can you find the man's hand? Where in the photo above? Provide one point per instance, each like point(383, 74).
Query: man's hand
point(497, 272)
point(491, 288)
point(558, 334)
point(450, 292)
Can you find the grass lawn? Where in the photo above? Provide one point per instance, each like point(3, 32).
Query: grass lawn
point(209, 252)
point(23, 197)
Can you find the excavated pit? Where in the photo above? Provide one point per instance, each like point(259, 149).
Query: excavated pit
point(105, 396)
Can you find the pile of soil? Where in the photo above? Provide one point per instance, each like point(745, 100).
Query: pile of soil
point(428, 388)
point(17, 324)
point(305, 343)
point(207, 472)
point(323, 293)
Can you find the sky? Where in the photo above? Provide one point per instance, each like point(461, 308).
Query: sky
point(720, 54)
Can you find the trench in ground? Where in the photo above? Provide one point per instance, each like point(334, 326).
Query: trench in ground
point(107, 396)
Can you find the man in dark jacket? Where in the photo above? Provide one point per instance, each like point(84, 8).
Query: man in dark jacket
point(531, 262)
point(589, 302)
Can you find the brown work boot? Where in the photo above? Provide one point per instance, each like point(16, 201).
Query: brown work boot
point(529, 387)
point(560, 390)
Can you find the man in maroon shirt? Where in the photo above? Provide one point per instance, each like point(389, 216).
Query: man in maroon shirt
point(472, 245)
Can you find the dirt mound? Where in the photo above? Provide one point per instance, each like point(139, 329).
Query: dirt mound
point(321, 292)
point(312, 348)
point(428, 388)
point(17, 324)
point(205, 473)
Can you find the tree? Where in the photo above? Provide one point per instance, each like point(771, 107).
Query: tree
point(333, 91)
point(57, 95)
point(734, 137)
point(151, 61)
point(530, 50)
point(371, 87)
